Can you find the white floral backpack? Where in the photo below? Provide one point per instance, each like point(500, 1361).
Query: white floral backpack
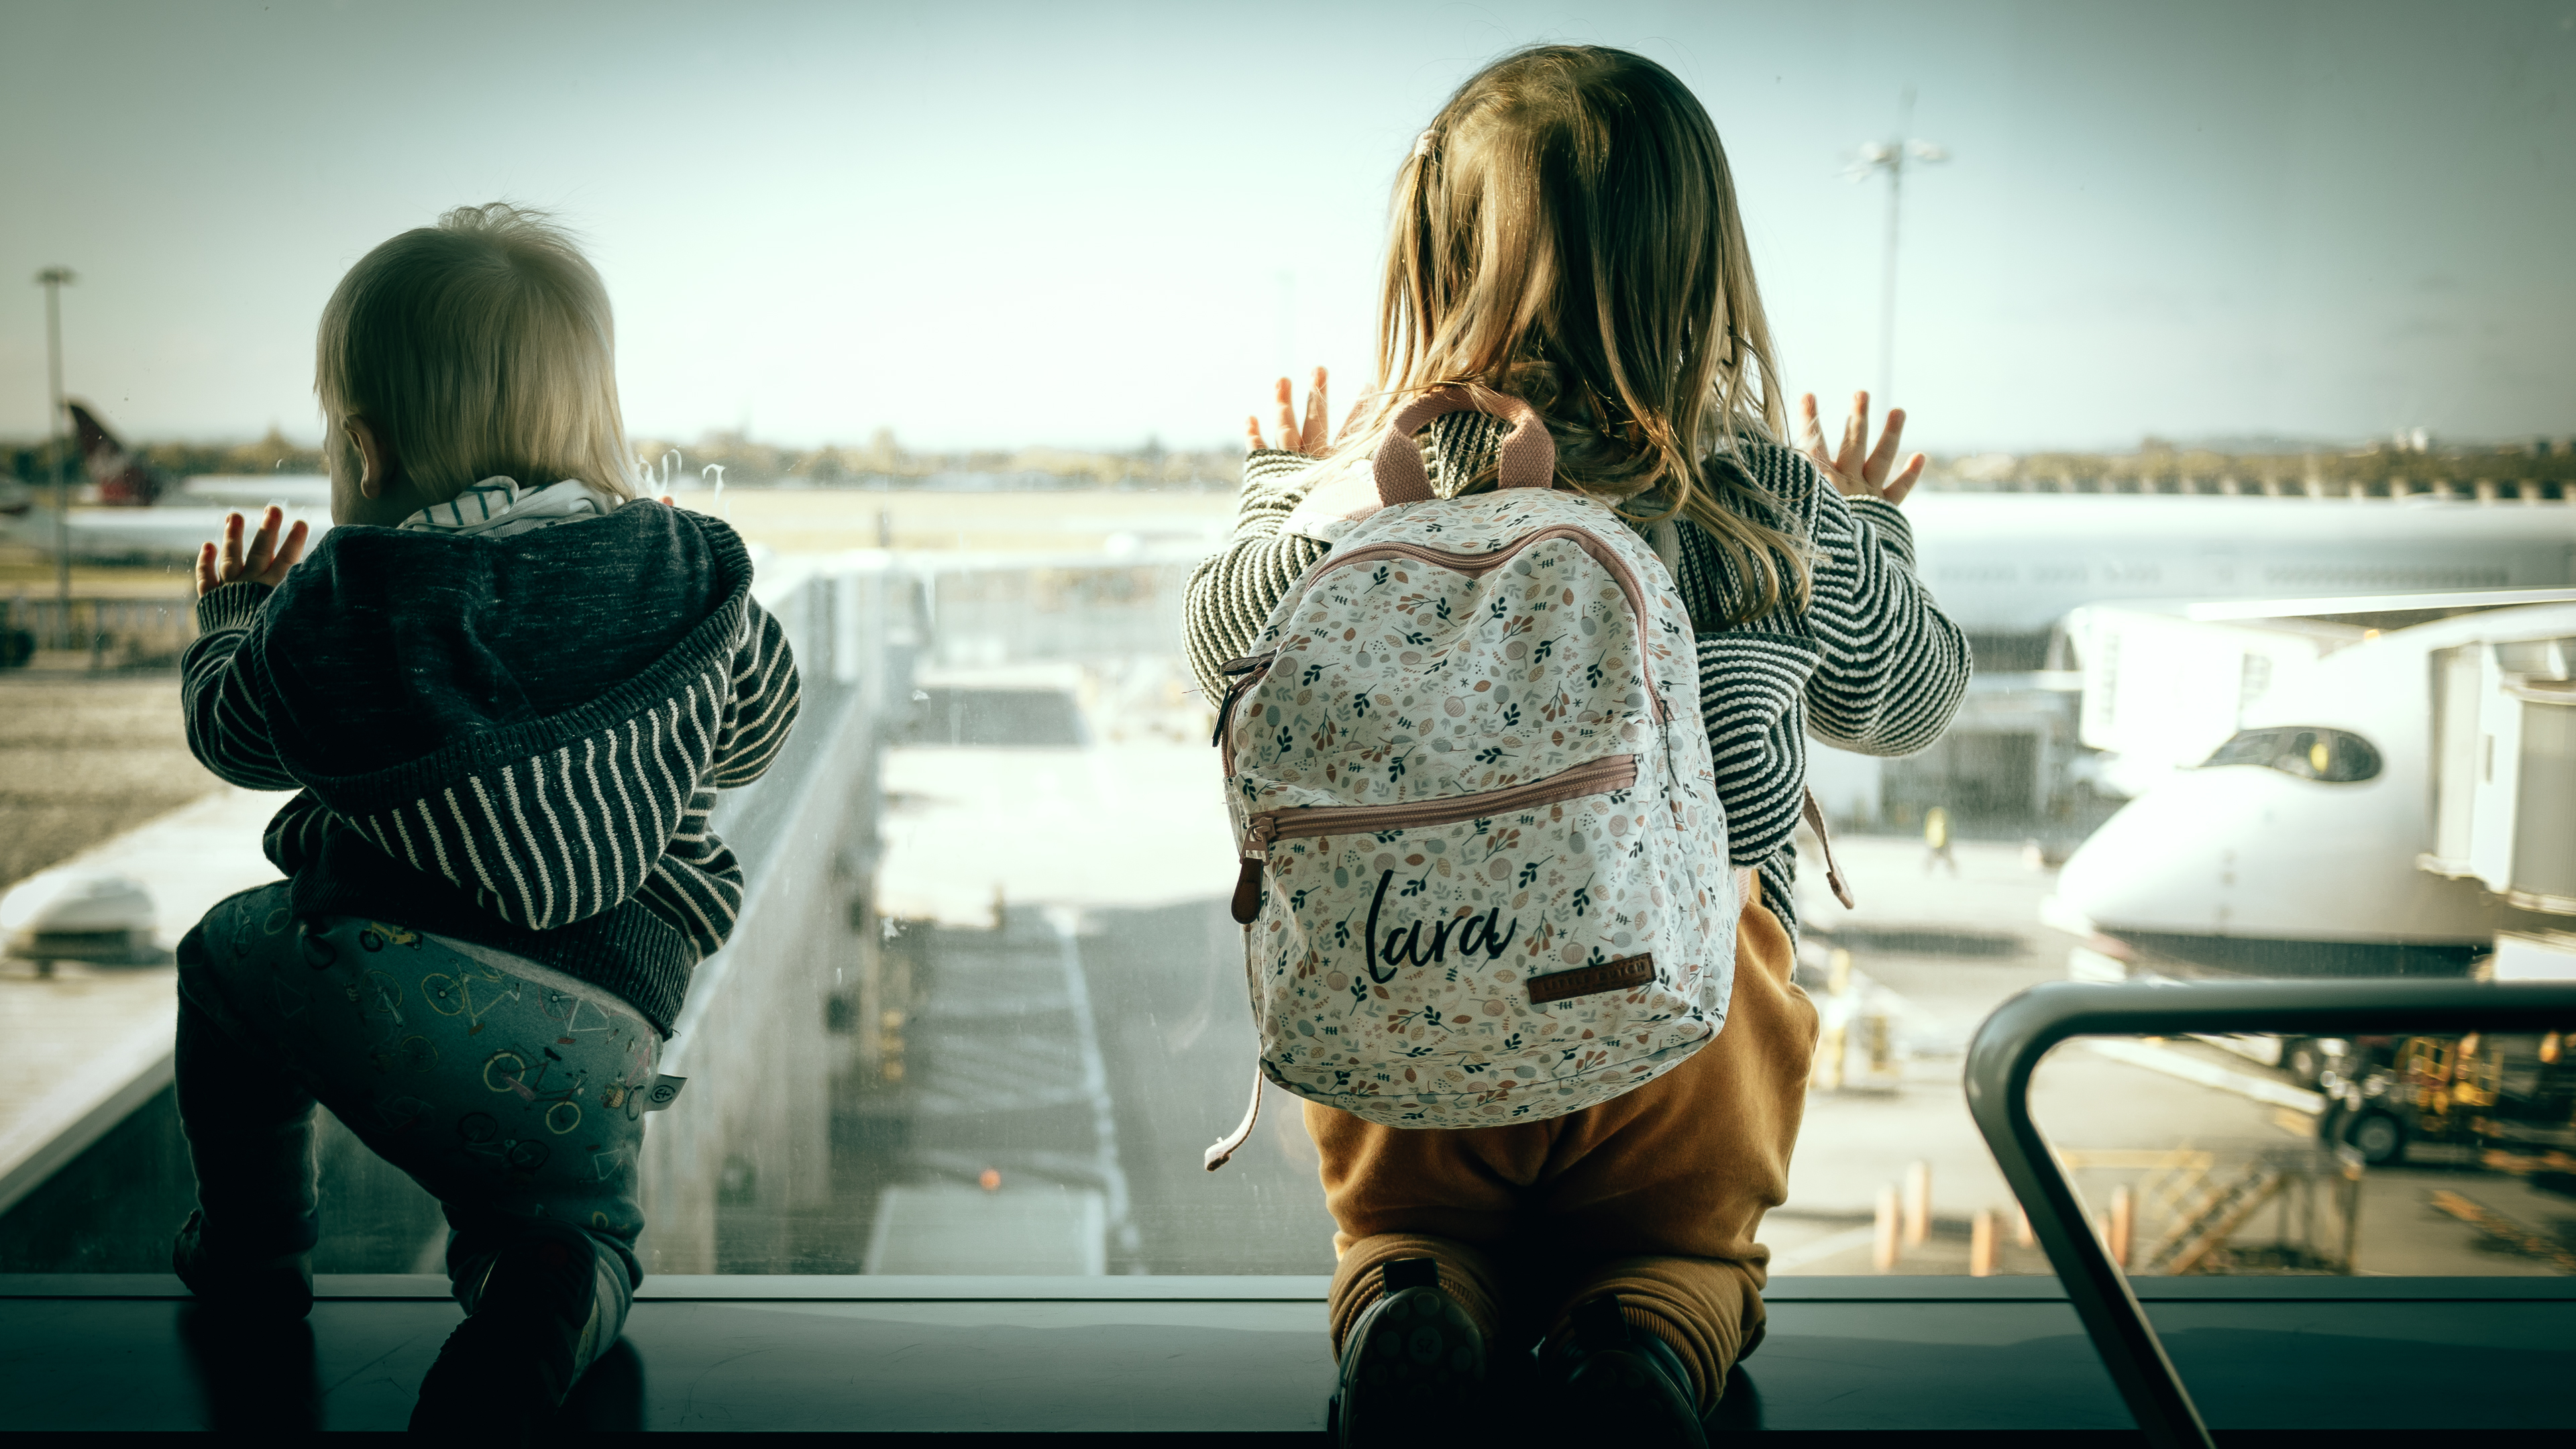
point(1484, 863)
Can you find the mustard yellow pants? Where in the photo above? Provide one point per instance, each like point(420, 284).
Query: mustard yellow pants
point(1654, 1195)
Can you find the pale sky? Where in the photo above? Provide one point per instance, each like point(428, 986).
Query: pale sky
point(989, 225)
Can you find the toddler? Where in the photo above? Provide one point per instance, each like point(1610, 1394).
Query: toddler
point(505, 691)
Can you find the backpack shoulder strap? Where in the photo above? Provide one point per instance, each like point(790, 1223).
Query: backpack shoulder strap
point(1529, 454)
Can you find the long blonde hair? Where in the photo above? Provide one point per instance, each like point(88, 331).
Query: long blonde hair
point(481, 346)
point(1566, 232)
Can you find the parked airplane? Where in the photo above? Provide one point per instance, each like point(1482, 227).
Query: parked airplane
point(2008, 566)
point(258, 490)
point(140, 514)
point(2394, 785)
point(164, 535)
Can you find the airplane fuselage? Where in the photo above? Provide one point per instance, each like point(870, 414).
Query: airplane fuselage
point(2251, 869)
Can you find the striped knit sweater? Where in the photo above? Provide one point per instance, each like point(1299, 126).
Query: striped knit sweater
point(1870, 664)
point(514, 740)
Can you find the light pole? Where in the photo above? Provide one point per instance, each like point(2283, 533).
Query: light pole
point(1892, 157)
point(53, 280)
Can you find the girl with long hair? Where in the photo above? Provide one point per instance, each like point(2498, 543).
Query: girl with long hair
point(1565, 232)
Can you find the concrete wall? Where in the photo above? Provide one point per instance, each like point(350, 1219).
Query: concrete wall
point(731, 1166)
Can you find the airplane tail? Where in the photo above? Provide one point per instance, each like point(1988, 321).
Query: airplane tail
point(122, 478)
point(96, 442)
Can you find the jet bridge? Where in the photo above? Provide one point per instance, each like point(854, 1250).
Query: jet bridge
point(2504, 744)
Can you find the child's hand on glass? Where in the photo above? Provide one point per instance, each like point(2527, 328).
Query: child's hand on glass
point(1348, 493)
point(1308, 439)
point(1856, 474)
point(266, 562)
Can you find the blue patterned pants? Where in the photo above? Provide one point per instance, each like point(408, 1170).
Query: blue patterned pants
point(513, 1094)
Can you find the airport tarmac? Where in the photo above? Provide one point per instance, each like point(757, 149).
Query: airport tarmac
point(84, 759)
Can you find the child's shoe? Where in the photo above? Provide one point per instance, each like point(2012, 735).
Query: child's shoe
point(279, 1287)
point(508, 1366)
point(1413, 1367)
point(1616, 1383)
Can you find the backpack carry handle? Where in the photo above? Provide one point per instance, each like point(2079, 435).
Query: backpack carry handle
point(1529, 454)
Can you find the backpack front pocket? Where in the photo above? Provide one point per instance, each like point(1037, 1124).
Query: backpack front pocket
point(1480, 958)
point(1611, 774)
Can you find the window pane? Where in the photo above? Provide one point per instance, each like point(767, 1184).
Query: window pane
point(953, 324)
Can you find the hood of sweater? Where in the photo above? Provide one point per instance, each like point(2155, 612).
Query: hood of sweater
point(503, 508)
point(469, 698)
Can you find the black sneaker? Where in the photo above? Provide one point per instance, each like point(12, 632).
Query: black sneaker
point(255, 1373)
point(1615, 1383)
point(507, 1367)
point(279, 1287)
point(1413, 1367)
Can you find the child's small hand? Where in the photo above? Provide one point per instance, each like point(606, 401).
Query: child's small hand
point(1351, 493)
point(1308, 439)
point(1855, 474)
point(266, 562)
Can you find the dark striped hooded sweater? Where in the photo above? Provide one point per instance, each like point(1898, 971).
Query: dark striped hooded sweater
point(1869, 664)
point(515, 741)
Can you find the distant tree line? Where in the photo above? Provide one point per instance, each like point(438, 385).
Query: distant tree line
point(2381, 469)
point(2542, 467)
point(880, 462)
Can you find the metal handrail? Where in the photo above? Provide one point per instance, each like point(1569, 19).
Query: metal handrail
point(2009, 1044)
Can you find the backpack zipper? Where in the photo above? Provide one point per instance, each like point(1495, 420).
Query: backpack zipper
point(1245, 672)
point(1478, 563)
point(1593, 777)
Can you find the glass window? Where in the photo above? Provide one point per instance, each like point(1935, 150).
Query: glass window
point(956, 324)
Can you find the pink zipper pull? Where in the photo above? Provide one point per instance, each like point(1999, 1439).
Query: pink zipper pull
point(1247, 885)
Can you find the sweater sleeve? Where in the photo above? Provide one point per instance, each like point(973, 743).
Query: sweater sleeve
point(227, 727)
point(1894, 666)
point(766, 696)
point(1231, 595)
point(1749, 684)
point(1753, 677)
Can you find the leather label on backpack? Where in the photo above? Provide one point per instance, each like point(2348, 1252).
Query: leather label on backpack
point(1625, 974)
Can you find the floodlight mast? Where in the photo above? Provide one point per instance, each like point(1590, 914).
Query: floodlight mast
point(53, 280)
point(1892, 157)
